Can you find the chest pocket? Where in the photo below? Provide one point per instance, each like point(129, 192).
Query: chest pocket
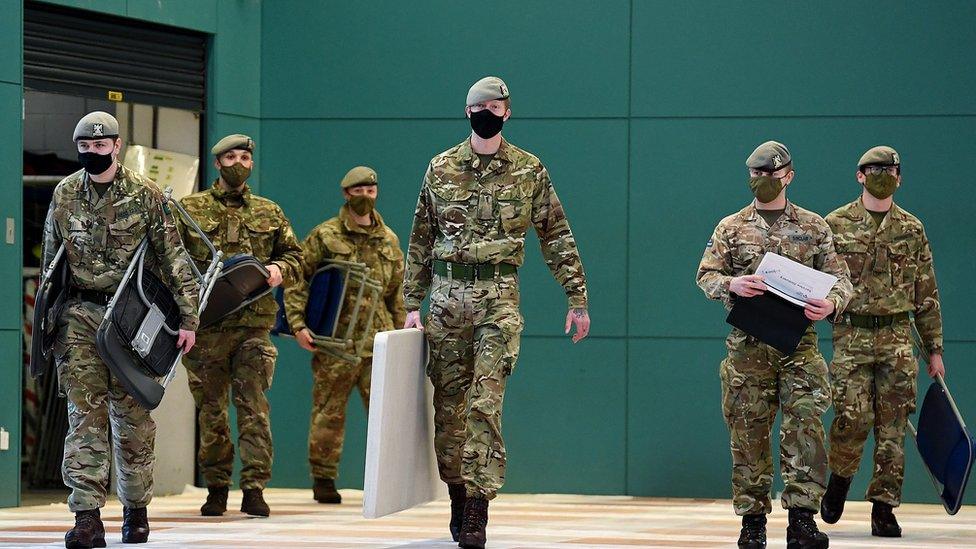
point(746, 258)
point(514, 209)
point(126, 233)
point(452, 206)
point(801, 252)
point(904, 265)
point(194, 244)
point(261, 234)
point(339, 249)
point(77, 235)
point(856, 254)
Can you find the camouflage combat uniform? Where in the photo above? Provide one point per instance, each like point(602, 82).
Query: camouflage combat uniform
point(377, 246)
point(101, 235)
point(874, 370)
point(473, 214)
point(236, 354)
point(757, 379)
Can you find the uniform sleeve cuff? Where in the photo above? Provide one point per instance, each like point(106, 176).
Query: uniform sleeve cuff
point(577, 302)
point(411, 304)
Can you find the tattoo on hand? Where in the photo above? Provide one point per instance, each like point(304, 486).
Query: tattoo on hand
point(578, 313)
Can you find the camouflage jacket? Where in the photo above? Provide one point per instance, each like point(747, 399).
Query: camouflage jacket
point(741, 239)
point(891, 267)
point(468, 213)
point(244, 224)
point(102, 234)
point(378, 247)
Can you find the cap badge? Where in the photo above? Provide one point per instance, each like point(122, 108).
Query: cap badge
point(777, 161)
point(97, 130)
point(894, 158)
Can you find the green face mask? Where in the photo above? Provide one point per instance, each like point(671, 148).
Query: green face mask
point(765, 188)
point(881, 185)
point(235, 174)
point(361, 204)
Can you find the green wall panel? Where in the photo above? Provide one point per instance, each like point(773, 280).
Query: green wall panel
point(10, 417)
point(11, 36)
point(114, 7)
point(821, 58)
point(565, 417)
point(682, 188)
point(352, 61)
point(306, 159)
point(11, 293)
point(235, 76)
point(189, 14)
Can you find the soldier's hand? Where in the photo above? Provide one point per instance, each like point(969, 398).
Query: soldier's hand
point(818, 309)
point(581, 319)
point(186, 340)
point(274, 280)
point(936, 367)
point(304, 339)
point(747, 285)
point(413, 320)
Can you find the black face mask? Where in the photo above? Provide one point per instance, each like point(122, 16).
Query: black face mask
point(485, 124)
point(95, 163)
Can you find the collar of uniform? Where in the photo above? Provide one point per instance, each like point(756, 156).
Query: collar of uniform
point(350, 226)
point(119, 177)
point(222, 195)
point(860, 213)
point(752, 212)
point(503, 154)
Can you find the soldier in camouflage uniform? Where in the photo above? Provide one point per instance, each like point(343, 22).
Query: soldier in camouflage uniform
point(874, 368)
point(236, 355)
point(101, 214)
point(757, 379)
point(477, 201)
point(359, 235)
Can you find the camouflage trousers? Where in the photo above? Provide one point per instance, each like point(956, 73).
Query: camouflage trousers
point(473, 330)
point(756, 381)
point(874, 381)
point(96, 399)
point(333, 381)
point(239, 361)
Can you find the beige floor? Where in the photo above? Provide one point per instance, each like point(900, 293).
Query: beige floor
point(515, 522)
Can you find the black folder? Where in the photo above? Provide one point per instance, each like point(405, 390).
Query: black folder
point(770, 319)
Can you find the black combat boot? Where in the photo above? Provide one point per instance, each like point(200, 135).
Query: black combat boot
point(753, 533)
point(832, 504)
point(135, 525)
point(253, 503)
point(883, 521)
point(457, 493)
point(324, 491)
point(802, 533)
point(475, 521)
point(216, 503)
point(88, 531)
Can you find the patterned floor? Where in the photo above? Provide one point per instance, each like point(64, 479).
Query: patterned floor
point(516, 521)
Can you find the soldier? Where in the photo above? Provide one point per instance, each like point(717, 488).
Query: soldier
point(359, 235)
point(756, 379)
point(468, 239)
point(101, 214)
point(874, 368)
point(236, 354)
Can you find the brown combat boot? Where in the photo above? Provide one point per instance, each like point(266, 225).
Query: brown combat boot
point(324, 491)
point(88, 531)
point(253, 503)
point(475, 520)
point(216, 504)
point(135, 525)
point(458, 494)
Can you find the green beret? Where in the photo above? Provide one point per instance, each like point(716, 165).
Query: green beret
point(770, 156)
point(231, 142)
point(96, 125)
point(360, 175)
point(881, 155)
point(486, 89)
